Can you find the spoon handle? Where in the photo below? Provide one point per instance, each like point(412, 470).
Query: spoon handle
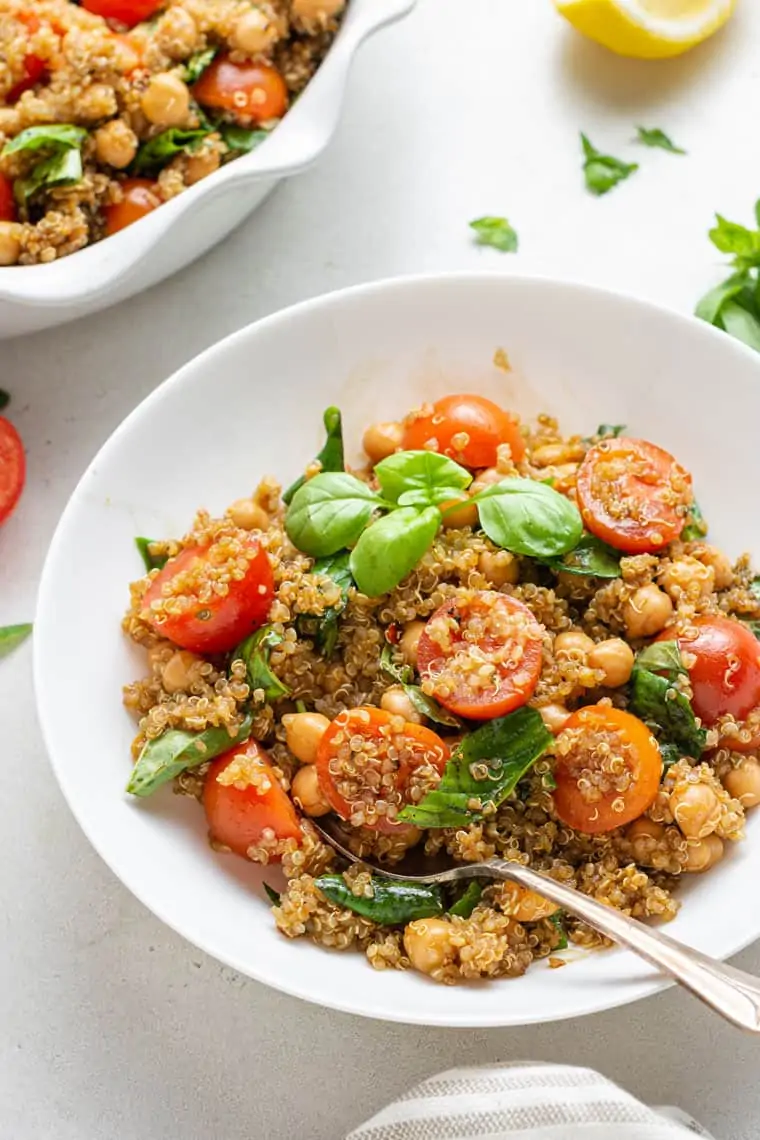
point(730, 992)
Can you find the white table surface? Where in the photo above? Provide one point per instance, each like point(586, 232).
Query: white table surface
point(111, 1025)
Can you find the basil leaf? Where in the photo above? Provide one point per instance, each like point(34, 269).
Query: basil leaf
point(389, 549)
point(610, 431)
point(63, 168)
point(192, 69)
point(558, 920)
point(155, 153)
point(176, 750)
point(656, 137)
point(423, 478)
point(254, 651)
point(465, 905)
point(4, 399)
point(528, 517)
point(507, 748)
point(391, 903)
point(329, 512)
point(330, 457)
point(152, 561)
point(241, 139)
point(730, 237)
point(272, 894)
point(670, 753)
point(496, 232)
point(741, 324)
point(324, 627)
point(60, 136)
point(13, 635)
point(591, 558)
point(711, 305)
point(666, 712)
point(603, 172)
point(425, 705)
point(663, 657)
point(696, 527)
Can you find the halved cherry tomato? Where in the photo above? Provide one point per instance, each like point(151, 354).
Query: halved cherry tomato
point(34, 67)
point(253, 92)
point(12, 468)
point(587, 798)
point(633, 495)
point(369, 766)
point(249, 800)
point(129, 12)
point(139, 198)
point(7, 201)
point(724, 667)
point(200, 618)
point(468, 429)
point(483, 652)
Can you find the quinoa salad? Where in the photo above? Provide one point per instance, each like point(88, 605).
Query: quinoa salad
point(490, 640)
point(109, 108)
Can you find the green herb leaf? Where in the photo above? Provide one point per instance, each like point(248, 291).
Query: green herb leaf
point(4, 399)
point(671, 754)
point(602, 171)
point(330, 457)
point(505, 748)
point(666, 711)
point(62, 168)
point(421, 478)
point(741, 324)
point(324, 627)
point(496, 232)
point(590, 558)
point(389, 549)
point(152, 561)
point(425, 705)
point(175, 751)
point(656, 137)
point(711, 305)
point(610, 431)
point(272, 894)
point(13, 635)
point(59, 136)
point(391, 903)
point(696, 527)
point(558, 920)
point(241, 139)
point(329, 512)
point(730, 237)
point(466, 903)
point(154, 154)
point(254, 651)
point(528, 517)
point(192, 69)
point(663, 657)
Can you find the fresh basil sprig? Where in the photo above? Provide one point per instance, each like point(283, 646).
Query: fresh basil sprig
point(496, 232)
point(663, 707)
point(330, 458)
point(13, 635)
point(154, 154)
point(528, 517)
point(404, 675)
point(590, 558)
point(391, 903)
point(421, 478)
point(601, 171)
point(506, 748)
point(175, 751)
point(152, 561)
point(733, 306)
point(653, 136)
point(254, 651)
point(324, 627)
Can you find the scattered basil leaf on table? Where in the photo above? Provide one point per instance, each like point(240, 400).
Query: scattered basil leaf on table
point(663, 657)
point(13, 635)
point(733, 305)
point(506, 748)
point(420, 478)
point(242, 139)
point(666, 711)
point(152, 561)
point(528, 517)
point(590, 558)
point(272, 894)
point(390, 549)
point(159, 150)
point(175, 751)
point(254, 651)
point(711, 305)
point(329, 512)
point(4, 399)
point(495, 232)
point(192, 69)
point(391, 903)
point(324, 627)
point(330, 458)
point(603, 172)
point(696, 527)
point(655, 137)
point(404, 675)
point(60, 136)
point(63, 168)
point(558, 921)
point(466, 903)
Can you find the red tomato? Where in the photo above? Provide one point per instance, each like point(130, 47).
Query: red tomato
point(139, 198)
point(466, 428)
point(724, 667)
point(253, 92)
point(364, 757)
point(594, 809)
point(34, 70)
point(7, 201)
point(239, 811)
point(633, 495)
point(206, 621)
point(129, 12)
point(483, 652)
point(12, 468)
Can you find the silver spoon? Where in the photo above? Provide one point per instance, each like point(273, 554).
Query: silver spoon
point(732, 993)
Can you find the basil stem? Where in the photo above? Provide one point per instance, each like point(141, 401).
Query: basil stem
point(331, 457)
point(175, 751)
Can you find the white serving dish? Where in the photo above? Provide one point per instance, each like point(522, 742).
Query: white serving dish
point(252, 405)
point(38, 296)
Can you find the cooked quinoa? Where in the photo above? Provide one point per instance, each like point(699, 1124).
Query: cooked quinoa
point(164, 91)
point(338, 699)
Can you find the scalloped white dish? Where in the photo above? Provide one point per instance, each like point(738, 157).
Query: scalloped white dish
point(38, 296)
point(581, 354)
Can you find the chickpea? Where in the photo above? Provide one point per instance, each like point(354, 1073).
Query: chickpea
point(254, 32)
point(248, 515)
point(573, 641)
point(427, 941)
point(647, 611)
point(743, 782)
point(10, 121)
point(696, 809)
point(314, 9)
point(303, 732)
point(523, 904)
point(466, 515)
point(702, 854)
point(410, 640)
point(395, 701)
point(115, 144)
point(10, 243)
point(720, 563)
point(177, 673)
point(687, 577)
point(644, 835)
point(555, 717)
point(307, 792)
point(614, 658)
point(166, 100)
point(199, 165)
point(549, 454)
point(382, 439)
point(486, 478)
point(499, 568)
point(176, 32)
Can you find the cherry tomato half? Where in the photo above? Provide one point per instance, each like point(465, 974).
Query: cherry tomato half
point(590, 800)
point(724, 667)
point(253, 92)
point(242, 798)
point(12, 468)
point(139, 198)
point(200, 619)
point(7, 201)
point(468, 429)
point(483, 652)
point(34, 68)
point(129, 12)
point(366, 757)
point(633, 495)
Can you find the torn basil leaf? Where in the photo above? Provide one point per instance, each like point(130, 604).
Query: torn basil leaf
point(391, 903)
point(590, 558)
point(610, 431)
point(696, 527)
point(254, 651)
point(192, 69)
point(496, 232)
point(331, 457)
point(13, 635)
point(323, 628)
point(404, 675)
point(466, 903)
point(152, 561)
point(154, 154)
point(54, 136)
point(175, 751)
point(663, 657)
point(241, 139)
point(601, 171)
point(666, 711)
point(558, 922)
point(62, 168)
point(655, 137)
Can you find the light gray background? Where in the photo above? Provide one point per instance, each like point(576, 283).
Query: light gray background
point(110, 1025)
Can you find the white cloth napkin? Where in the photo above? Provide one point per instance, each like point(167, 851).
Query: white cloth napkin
point(525, 1102)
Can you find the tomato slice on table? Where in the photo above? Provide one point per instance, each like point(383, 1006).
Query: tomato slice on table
point(468, 429)
point(12, 468)
point(204, 601)
point(7, 201)
point(129, 12)
point(591, 798)
point(723, 660)
point(139, 197)
point(633, 495)
point(252, 92)
point(482, 651)
point(371, 764)
point(243, 799)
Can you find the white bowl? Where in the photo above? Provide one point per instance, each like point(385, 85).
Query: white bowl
point(37, 296)
point(252, 405)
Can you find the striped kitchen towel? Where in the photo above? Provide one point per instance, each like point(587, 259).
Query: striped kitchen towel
point(525, 1102)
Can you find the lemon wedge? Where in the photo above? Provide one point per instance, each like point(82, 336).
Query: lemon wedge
point(647, 29)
